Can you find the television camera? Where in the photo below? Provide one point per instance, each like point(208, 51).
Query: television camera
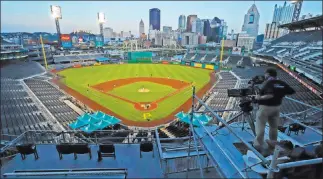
point(247, 94)
point(246, 98)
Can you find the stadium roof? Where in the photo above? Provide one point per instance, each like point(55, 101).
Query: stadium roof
point(303, 24)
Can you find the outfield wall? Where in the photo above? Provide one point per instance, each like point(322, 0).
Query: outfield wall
point(201, 65)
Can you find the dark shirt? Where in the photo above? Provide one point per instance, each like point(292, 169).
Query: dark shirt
point(279, 89)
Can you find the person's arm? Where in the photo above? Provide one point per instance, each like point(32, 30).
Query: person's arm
point(289, 90)
point(266, 92)
point(264, 97)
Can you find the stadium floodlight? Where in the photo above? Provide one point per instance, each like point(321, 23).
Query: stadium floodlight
point(56, 11)
point(101, 17)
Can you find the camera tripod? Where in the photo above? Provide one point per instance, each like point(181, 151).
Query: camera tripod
point(245, 112)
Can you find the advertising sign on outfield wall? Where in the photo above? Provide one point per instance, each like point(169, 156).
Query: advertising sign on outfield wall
point(199, 65)
point(211, 67)
point(164, 62)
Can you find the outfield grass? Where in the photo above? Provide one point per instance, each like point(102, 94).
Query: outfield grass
point(79, 78)
point(130, 91)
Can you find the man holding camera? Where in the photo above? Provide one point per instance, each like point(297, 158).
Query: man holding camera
point(270, 98)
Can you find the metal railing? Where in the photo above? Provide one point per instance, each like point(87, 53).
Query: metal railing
point(175, 157)
point(76, 136)
point(263, 160)
point(115, 172)
point(199, 160)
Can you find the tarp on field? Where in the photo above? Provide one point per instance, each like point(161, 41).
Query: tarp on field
point(77, 124)
point(90, 128)
point(92, 122)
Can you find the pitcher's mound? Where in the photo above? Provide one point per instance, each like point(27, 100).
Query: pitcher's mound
point(143, 90)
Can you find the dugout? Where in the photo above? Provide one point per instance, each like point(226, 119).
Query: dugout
point(140, 57)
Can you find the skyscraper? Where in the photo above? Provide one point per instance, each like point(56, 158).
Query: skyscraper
point(251, 21)
point(154, 18)
point(182, 23)
point(207, 27)
point(282, 15)
point(190, 20)
point(198, 26)
point(216, 29)
point(141, 28)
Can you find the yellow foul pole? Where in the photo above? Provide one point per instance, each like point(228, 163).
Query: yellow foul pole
point(44, 54)
point(222, 45)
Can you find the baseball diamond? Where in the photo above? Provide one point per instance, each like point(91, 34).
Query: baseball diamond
point(131, 91)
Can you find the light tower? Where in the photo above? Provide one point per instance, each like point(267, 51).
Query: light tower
point(101, 19)
point(57, 14)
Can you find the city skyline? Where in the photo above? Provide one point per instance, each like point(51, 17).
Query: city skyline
point(14, 15)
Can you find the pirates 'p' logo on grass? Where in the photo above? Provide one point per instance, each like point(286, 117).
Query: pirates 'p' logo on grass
point(146, 116)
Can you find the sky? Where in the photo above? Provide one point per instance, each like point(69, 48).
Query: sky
point(34, 16)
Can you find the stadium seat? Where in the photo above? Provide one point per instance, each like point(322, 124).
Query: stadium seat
point(27, 149)
point(81, 149)
point(146, 147)
point(64, 149)
point(73, 148)
point(106, 150)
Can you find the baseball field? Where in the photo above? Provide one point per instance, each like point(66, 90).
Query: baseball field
point(138, 94)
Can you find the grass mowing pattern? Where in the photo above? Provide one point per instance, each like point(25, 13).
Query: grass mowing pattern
point(79, 78)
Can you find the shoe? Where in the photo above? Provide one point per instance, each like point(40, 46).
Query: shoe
point(265, 152)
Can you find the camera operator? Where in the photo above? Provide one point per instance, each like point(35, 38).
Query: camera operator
point(270, 98)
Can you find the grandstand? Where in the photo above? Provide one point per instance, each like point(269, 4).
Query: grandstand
point(11, 51)
point(50, 97)
point(303, 93)
point(300, 49)
point(20, 69)
point(35, 53)
point(77, 58)
point(227, 60)
point(36, 117)
point(20, 111)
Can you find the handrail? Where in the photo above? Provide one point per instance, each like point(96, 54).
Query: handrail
point(297, 101)
point(192, 134)
point(223, 152)
point(305, 111)
point(262, 158)
point(158, 144)
point(300, 163)
point(31, 134)
point(12, 142)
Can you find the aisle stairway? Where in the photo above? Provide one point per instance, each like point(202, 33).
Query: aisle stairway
point(167, 133)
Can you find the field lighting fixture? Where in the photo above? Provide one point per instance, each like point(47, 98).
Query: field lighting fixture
point(57, 14)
